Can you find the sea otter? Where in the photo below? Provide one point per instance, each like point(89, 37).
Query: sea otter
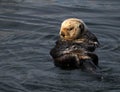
point(75, 46)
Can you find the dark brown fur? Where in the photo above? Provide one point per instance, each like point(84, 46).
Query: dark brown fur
point(75, 47)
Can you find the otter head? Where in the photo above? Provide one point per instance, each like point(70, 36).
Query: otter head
point(72, 29)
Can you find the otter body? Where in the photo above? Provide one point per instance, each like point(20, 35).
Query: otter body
point(72, 55)
point(74, 50)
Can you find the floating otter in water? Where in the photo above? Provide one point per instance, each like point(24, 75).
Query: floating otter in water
point(74, 49)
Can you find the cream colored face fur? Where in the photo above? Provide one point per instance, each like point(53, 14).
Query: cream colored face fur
point(72, 29)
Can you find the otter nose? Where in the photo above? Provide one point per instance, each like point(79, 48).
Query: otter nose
point(62, 34)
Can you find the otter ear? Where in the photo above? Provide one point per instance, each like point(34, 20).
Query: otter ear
point(81, 26)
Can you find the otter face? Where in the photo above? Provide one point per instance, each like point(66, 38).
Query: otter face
point(72, 29)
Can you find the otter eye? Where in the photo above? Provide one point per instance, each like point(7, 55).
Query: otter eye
point(71, 28)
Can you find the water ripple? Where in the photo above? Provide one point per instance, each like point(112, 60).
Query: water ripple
point(29, 29)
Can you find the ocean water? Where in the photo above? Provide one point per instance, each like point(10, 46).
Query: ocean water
point(28, 31)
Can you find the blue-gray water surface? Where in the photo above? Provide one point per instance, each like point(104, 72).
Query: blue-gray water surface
point(29, 29)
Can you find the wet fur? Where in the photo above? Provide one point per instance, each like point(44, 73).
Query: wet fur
point(75, 47)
